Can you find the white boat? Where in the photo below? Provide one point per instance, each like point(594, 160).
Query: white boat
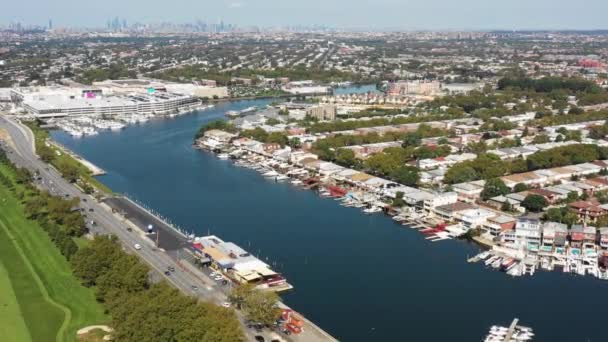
point(223, 156)
point(372, 210)
point(497, 262)
point(296, 182)
point(399, 218)
point(281, 178)
point(270, 174)
point(490, 260)
point(483, 255)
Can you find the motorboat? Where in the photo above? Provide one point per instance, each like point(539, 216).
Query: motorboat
point(281, 178)
point(372, 210)
point(271, 174)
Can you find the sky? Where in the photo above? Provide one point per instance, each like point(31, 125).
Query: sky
point(361, 14)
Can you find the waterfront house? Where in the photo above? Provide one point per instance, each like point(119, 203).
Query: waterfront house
point(473, 218)
point(440, 199)
point(528, 232)
point(554, 235)
point(448, 211)
point(498, 224)
point(603, 238)
point(589, 237)
point(577, 236)
point(417, 199)
point(215, 138)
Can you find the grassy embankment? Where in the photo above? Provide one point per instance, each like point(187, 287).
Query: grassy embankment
point(42, 300)
point(63, 159)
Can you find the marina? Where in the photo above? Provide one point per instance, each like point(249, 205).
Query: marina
point(318, 243)
point(90, 125)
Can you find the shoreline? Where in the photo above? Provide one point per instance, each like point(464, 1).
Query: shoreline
point(316, 329)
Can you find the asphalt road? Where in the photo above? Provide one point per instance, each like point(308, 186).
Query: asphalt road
point(189, 281)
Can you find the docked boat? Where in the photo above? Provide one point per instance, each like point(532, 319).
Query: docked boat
point(223, 156)
point(281, 178)
point(270, 174)
point(506, 264)
point(372, 210)
point(491, 260)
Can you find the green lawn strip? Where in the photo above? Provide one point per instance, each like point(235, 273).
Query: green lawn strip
point(44, 318)
point(41, 136)
point(12, 322)
point(52, 269)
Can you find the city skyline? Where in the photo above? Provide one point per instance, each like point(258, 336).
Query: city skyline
point(385, 14)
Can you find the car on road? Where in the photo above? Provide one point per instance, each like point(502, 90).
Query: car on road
point(171, 268)
point(226, 304)
point(137, 246)
point(91, 209)
point(167, 273)
point(259, 338)
point(194, 288)
point(218, 278)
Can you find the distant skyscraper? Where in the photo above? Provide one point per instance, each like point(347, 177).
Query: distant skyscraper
point(50, 24)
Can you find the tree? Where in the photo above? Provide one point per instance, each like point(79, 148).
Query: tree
point(412, 139)
point(398, 201)
point(534, 203)
point(68, 171)
point(45, 153)
point(541, 139)
point(519, 187)
point(506, 206)
point(295, 142)
point(571, 197)
point(406, 175)
point(345, 157)
point(494, 187)
point(258, 306)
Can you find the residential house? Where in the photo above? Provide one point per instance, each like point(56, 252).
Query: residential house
point(554, 235)
point(498, 224)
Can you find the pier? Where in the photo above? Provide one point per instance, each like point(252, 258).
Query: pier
point(511, 329)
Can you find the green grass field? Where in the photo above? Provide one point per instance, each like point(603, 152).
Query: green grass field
point(12, 323)
point(52, 302)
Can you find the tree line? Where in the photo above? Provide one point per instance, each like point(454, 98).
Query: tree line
point(487, 166)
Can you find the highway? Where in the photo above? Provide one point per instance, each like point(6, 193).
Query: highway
point(106, 222)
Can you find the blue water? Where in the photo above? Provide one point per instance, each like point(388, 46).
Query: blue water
point(362, 278)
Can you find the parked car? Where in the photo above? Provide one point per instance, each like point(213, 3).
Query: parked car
point(137, 246)
point(226, 304)
point(167, 273)
point(259, 338)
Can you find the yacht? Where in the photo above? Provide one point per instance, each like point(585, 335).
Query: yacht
point(223, 156)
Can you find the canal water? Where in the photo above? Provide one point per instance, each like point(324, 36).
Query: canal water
point(362, 278)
